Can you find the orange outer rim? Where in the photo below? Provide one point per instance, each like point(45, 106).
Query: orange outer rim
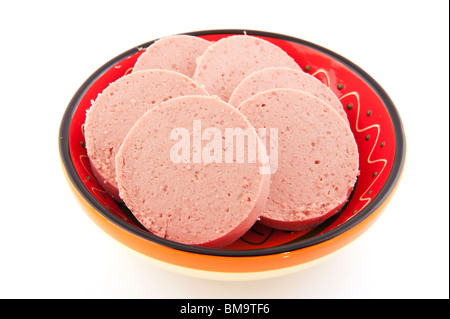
point(229, 264)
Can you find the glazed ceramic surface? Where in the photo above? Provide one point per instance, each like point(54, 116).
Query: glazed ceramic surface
point(373, 119)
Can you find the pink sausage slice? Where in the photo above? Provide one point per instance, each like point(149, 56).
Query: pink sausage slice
point(192, 202)
point(273, 78)
point(318, 160)
point(228, 61)
point(177, 53)
point(116, 110)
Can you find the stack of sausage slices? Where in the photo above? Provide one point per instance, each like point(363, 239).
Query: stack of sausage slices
point(204, 139)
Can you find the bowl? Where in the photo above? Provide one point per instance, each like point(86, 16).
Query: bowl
point(262, 252)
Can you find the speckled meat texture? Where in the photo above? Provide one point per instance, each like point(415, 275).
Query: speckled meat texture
point(177, 53)
point(195, 203)
point(118, 108)
point(228, 61)
point(273, 78)
point(318, 160)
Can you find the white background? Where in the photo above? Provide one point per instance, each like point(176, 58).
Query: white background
point(50, 249)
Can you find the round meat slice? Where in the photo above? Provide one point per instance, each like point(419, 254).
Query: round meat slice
point(118, 108)
point(273, 78)
point(177, 53)
point(318, 161)
point(228, 61)
point(180, 196)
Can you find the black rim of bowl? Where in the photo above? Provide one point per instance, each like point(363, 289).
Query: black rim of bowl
point(388, 187)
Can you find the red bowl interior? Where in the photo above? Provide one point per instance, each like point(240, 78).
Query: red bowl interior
point(368, 110)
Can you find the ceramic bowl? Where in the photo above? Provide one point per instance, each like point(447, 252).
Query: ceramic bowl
point(262, 252)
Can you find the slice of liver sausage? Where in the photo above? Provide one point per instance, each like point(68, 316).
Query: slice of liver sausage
point(192, 202)
point(177, 53)
point(274, 78)
point(228, 61)
point(318, 160)
point(116, 110)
